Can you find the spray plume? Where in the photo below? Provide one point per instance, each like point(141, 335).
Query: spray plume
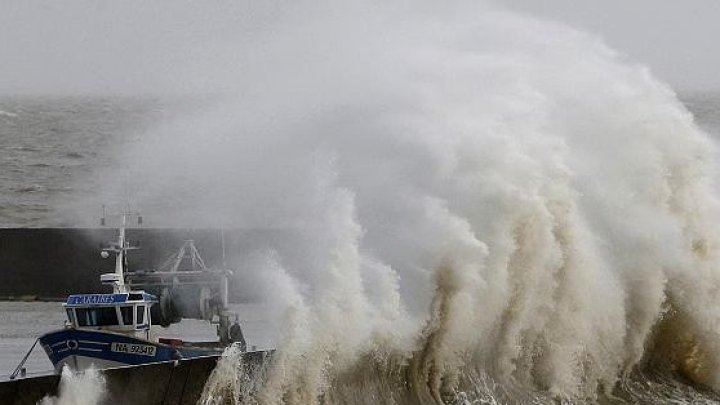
point(484, 200)
point(84, 388)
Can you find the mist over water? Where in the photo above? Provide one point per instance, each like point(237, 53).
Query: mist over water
point(492, 207)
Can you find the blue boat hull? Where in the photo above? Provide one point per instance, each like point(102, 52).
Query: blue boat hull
point(81, 349)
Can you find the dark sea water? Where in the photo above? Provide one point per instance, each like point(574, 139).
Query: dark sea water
point(52, 148)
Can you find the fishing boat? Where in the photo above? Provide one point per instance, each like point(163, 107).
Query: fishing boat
point(105, 330)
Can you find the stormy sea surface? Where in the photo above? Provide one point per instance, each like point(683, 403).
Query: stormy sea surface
point(484, 218)
point(52, 148)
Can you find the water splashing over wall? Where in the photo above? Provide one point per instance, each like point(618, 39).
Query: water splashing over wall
point(482, 197)
point(78, 388)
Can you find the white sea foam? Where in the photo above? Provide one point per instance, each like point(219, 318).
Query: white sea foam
point(483, 197)
point(83, 388)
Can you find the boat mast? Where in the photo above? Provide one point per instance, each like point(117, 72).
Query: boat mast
point(119, 285)
point(117, 279)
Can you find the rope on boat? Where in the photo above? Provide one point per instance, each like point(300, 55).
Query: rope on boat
point(22, 362)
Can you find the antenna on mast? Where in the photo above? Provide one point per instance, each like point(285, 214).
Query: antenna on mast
point(120, 249)
point(222, 241)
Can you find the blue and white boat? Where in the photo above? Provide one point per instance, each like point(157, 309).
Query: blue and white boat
point(112, 330)
point(106, 330)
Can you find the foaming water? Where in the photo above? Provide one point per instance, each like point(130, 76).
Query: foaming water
point(492, 209)
point(82, 388)
point(227, 380)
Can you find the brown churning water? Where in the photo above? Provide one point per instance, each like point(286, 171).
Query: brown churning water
point(493, 209)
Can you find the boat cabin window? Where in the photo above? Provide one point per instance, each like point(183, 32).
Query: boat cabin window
point(127, 315)
point(101, 316)
point(71, 316)
point(140, 314)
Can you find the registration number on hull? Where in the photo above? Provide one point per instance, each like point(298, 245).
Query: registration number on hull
point(143, 350)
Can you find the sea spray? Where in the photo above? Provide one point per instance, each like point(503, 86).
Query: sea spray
point(230, 382)
point(484, 201)
point(78, 388)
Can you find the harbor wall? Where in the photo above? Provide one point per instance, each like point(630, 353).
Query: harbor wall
point(50, 263)
point(168, 383)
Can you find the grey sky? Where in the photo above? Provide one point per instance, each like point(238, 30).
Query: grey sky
point(129, 46)
point(152, 46)
point(677, 39)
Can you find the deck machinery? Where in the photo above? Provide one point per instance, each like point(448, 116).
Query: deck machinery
point(187, 288)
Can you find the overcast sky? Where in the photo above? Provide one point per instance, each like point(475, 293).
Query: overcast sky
point(132, 46)
point(677, 39)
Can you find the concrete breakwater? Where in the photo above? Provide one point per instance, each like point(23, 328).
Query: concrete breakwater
point(50, 263)
point(169, 383)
